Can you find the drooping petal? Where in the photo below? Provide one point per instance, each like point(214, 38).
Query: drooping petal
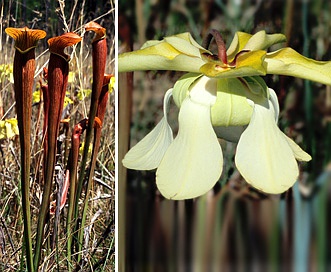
point(264, 157)
point(275, 105)
point(287, 61)
point(148, 153)
point(193, 162)
point(299, 154)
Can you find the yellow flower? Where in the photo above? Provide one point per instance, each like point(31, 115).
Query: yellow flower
point(8, 128)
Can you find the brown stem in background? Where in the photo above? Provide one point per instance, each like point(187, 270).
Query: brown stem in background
point(44, 90)
point(125, 84)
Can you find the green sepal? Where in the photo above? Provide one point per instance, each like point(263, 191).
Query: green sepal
point(182, 86)
point(288, 62)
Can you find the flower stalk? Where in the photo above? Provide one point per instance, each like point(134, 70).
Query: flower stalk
point(24, 67)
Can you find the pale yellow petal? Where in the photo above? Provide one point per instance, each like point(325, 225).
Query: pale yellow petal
point(299, 154)
point(264, 157)
point(274, 101)
point(148, 153)
point(193, 162)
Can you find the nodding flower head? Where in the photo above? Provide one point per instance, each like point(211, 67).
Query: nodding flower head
point(222, 96)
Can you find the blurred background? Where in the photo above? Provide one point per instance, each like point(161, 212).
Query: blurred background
point(233, 227)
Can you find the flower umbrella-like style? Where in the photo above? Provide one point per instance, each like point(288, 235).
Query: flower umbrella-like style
point(222, 96)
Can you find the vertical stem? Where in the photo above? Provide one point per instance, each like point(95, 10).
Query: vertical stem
point(24, 82)
point(24, 68)
point(124, 102)
point(25, 182)
point(96, 144)
point(72, 167)
point(327, 140)
point(58, 69)
point(302, 231)
point(99, 56)
point(308, 95)
point(56, 84)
